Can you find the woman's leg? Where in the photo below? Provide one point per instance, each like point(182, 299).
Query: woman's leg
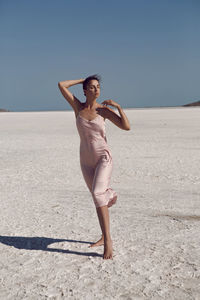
point(101, 241)
point(103, 215)
point(98, 183)
point(101, 196)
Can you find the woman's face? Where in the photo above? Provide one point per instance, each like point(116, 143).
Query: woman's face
point(93, 89)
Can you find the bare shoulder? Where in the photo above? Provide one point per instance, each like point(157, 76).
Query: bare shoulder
point(101, 109)
point(79, 108)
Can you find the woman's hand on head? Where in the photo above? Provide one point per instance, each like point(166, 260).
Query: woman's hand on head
point(110, 102)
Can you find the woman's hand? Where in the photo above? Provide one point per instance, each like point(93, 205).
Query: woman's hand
point(111, 102)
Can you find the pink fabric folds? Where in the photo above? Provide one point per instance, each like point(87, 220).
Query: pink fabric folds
point(96, 160)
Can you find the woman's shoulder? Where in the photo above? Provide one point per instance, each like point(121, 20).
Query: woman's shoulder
point(102, 110)
point(79, 108)
point(100, 105)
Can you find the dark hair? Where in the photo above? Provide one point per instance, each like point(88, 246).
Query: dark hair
point(88, 79)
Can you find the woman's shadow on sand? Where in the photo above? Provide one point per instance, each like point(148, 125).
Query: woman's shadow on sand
point(42, 243)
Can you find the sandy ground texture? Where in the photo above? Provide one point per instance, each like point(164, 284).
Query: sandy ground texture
point(48, 219)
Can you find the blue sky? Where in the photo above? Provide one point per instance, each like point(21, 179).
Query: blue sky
point(146, 51)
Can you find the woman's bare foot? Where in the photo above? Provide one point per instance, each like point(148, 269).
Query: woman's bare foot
point(108, 251)
point(98, 243)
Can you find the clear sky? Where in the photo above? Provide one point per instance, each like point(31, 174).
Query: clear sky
point(146, 51)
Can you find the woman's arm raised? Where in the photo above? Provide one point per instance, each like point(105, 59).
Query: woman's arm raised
point(72, 100)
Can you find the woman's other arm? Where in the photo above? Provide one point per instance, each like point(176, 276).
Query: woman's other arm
point(122, 121)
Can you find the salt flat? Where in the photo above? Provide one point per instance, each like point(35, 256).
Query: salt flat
point(48, 218)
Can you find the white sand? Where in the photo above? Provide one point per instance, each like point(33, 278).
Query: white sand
point(48, 218)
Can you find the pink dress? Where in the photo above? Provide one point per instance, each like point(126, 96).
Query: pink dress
point(96, 160)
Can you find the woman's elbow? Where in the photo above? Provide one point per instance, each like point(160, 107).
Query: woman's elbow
point(127, 128)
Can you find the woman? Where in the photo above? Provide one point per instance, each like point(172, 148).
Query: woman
point(95, 156)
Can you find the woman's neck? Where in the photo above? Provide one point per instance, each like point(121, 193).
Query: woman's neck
point(90, 104)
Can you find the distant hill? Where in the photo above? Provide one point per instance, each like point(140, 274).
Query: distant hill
point(3, 110)
point(193, 104)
